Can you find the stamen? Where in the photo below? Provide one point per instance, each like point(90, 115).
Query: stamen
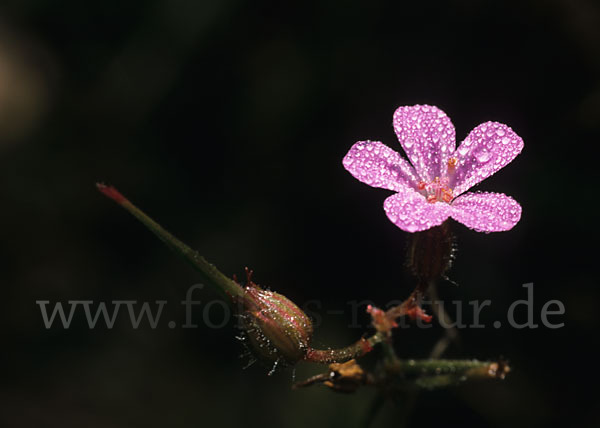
point(447, 195)
point(437, 190)
point(452, 163)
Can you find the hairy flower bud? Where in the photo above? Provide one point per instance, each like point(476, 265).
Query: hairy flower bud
point(276, 330)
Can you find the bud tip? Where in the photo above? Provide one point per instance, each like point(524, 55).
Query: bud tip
point(111, 192)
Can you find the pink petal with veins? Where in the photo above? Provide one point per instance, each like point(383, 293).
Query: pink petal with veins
point(411, 212)
point(486, 212)
point(377, 165)
point(428, 138)
point(487, 148)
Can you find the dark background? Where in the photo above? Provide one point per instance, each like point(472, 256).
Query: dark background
point(227, 122)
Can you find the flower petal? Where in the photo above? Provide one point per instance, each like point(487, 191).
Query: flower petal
point(377, 165)
point(410, 211)
point(428, 138)
point(486, 212)
point(487, 148)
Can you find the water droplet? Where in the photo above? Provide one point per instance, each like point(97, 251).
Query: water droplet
point(409, 142)
point(348, 161)
point(500, 132)
point(483, 156)
point(463, 149)
point(505, 140)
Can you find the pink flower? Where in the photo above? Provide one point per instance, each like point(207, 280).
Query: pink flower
point(433, 187)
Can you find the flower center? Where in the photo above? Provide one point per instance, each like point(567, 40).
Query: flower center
point(436, 191)
point(439, 189)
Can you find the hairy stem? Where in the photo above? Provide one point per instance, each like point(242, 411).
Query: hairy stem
point(431, 374)
point(340, 355)
point(383, 322)
point(407, 376)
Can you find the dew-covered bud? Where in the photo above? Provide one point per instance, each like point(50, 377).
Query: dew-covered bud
point(275, 329)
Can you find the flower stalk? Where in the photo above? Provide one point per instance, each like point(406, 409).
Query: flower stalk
point(224, 285)
point(340, 355)
point(400, 374)
point(434, 373)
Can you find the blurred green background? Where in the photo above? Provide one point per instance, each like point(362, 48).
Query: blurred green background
point(227, 122)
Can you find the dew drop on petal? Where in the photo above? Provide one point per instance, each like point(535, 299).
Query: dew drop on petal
point(463, 149)
point(483, 156)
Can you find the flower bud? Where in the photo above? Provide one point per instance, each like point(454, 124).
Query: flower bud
point(276, 330)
